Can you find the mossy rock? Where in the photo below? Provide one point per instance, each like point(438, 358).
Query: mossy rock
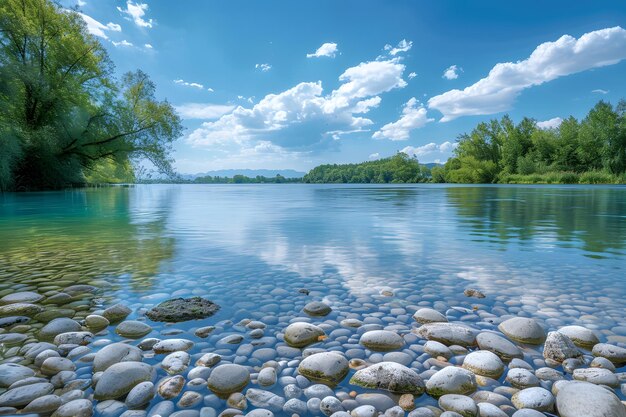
point(183, 309)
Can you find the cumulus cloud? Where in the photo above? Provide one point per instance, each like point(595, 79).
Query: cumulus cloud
point(123, 43)
point(206, 111)
point(98, 29)
point(148, 46)
point(600, 91)
point(430, 149)
point(374, 156)
point(567, 55)
point(452, 72)
point(136, 13)
point(414, 116)
point(403, 46)
point(303, 117)
point(550, 124)
point(328, 49)
point(263, 67)
point(188, 84)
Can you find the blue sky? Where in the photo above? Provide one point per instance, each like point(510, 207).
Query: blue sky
point(292, 84)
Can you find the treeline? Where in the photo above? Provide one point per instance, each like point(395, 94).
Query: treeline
point(236, 179)
point(399, 168)
point(590, 151)
point(64, 118)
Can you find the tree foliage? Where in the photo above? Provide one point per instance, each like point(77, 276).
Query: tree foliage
point(62, 111)
point(592, 150)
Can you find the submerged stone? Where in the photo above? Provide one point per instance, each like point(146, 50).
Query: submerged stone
point(183, 309)
point(389, 376)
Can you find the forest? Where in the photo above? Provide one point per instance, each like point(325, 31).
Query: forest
point(65, 119)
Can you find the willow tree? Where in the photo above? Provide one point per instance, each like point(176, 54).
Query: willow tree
point(62, 111)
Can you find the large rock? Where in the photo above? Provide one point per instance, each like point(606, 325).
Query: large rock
point(485, 363)
point(537, 398)
point(581, 336)
point(12, 372)
point(326, 367)
point(615, 354)
point(578, 399)
point(115, 353)
point(183, 309)
point(228, 378)
point(448, 333)
point(498, 345)
point(120, 378)
point(381, 340)
point(389, 376)
point(58, 326)
point(524, 330)
point(451, 380)
point(559, 347)
point(302, 334)
point(21, 396)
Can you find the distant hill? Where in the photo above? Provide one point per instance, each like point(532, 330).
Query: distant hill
point(251, 173)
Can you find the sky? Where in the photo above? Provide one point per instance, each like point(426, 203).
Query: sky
point(294, 84)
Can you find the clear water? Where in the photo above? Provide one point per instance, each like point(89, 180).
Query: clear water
point(555, 253)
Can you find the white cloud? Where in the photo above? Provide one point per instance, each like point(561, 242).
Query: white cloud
point(550, 124)
point(136, 12)
point(210, 90)
point(374, 156)
point(188, 84)
point(452, 72)
point(148, 46)
point(414, 116)
point(412, 75)
point(567, 55)
point(263, 67)
point(81, 3)
point(206, 111)
point(98, 29)
point(600, 91)
point(442, 149)
point(302, 117)
point(123, 43)
point(328, 49)
point(403, 46)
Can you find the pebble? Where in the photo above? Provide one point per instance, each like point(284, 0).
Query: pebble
point(228, 378)
point(381, 340)
point(325, 367)
point(451, 380)
point(389, 376)
point(524, 330)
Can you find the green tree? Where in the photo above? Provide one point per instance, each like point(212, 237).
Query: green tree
point(67, 112)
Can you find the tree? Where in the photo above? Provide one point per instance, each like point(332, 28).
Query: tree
point(67, 112)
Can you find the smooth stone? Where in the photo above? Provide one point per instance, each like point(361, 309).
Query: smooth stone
point(436, 349)
point(140, 395)
point(132, 329)
point(183, 309)
point(21, 297)
point(21, 396)
point(302, 334)
point(267, 377)
point(448, 333)
point(172, 345)
point(208, 360)
point(189, 399)
point(451, 380)
point(528, 412)
point(598, 376)
point(170, 387)
point(7, 322)
point(498, 345)
point(110, 408)
point(20, 309)
point(45, 404)
point(162, 408)
point(615, 354)
point(75, 408)
point(116, 313)
point(96, 322)
point(228, 378)
point(265, 399)
point(58, 326)
point(581, 336)
point(578, 399)
point(317, 308)
point(318, 391)
point(260, 412)
point(363, 411)
point(327, 367)
point(73, 338)
point(330, 405)
point(485, 363)
point(53, 366)
point(204, 332)
point(295, 406)
point(381, 340)
point(428, 315)
point(558, 347)
point(176, 362)
point(389, 376)
point(537, 398)
point(490, 410)
point(119, 378)
point(13, 372)
point(460, 404)
point(524, 330)
point(115, 353)
point(521, 378)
